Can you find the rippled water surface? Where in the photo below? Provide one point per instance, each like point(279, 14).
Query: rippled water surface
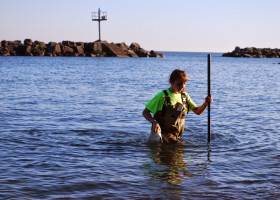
point(72, 128)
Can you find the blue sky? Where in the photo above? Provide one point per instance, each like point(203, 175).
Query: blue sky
point(170, 25)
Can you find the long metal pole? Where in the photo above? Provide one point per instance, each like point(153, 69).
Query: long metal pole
point(99, 19)
point(209, 93)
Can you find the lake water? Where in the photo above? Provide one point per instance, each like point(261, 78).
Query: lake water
point(72, 128)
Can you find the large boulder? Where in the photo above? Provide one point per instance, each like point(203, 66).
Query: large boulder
point(113, 50)
point(141, 52)
point(131, 53)
point(40, 44)
point(20, 50)
point(138, 50)
point(12, 46)
point(68, 51)
point(156, 54)
point(4, 51)
point(53, 49)
point(123, 46)
point(94, 47)
point(38, 48)
point(134, 45)
point(79, 50)
point(28, 42)
point(88, 46)
point(28, 51)
point(69, 43)
point(4, 43)
point(23, 50)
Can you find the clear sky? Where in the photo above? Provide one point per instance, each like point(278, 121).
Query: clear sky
point(163, 25)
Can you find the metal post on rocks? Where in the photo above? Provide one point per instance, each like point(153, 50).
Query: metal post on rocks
point(99, 16)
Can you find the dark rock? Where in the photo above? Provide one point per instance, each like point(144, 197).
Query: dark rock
point(79, 50)
point(41, 44)
point(113, 50)
point(138, 50)
point(20, 50)
point(68, 51)
point(38, 48)
point(53, 49)
point(131, 53)
point(134, 45)
point(246, 55)
point(88, 47)
point(162, 55)
point(69, 43)
point(4, 43)
point(94, 47)
point(28, 42)
point(4, 52)
point(154, 54)
point(80, 44)
point(123, 46)
point(141, 52)
point(28, 51)
point(12, 46)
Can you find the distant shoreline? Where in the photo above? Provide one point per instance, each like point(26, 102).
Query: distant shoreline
point(74, 49)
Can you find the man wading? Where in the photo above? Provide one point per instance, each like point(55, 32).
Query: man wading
point(169, 108)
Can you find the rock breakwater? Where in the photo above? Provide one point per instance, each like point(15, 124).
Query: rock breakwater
point(253, 52)
point(74, 49)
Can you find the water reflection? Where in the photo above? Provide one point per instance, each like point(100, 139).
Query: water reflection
point(168, 163)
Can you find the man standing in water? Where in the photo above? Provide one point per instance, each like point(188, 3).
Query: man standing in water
point(169, 108)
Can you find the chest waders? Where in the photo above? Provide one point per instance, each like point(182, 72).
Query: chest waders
point(172, 119)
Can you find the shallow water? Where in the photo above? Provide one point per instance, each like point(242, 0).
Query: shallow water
point(71, 128)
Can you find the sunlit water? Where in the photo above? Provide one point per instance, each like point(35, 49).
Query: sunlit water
point(72, 128)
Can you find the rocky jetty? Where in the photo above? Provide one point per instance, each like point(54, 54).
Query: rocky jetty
point(74, 49)
point(253, 52)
